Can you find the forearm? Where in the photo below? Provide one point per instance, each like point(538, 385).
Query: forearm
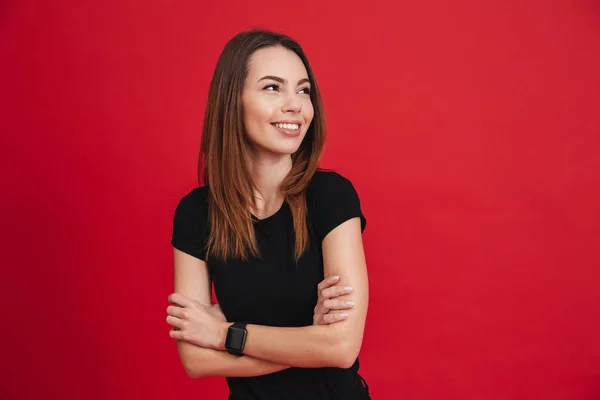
point(306, 347)
point(200, 362)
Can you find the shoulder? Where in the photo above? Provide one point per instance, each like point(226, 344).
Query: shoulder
point(196, 196)
point(189, 223)
point(331, 200)
point(193, 203)
point(327, 182)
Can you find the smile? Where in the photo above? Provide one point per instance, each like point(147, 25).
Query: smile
point(289, 127)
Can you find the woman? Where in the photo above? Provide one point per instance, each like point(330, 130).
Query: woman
point(265, 229)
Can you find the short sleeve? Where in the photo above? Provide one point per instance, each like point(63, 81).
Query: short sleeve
point(334, 201)
point(189, 224)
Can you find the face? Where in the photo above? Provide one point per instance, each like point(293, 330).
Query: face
point(276, 101)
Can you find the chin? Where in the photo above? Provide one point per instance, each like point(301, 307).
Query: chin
point(288, 148)
point(284, 150)
point(275, 145)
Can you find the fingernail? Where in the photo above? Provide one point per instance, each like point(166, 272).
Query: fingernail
point(350, 303)
point(348, 288)
point(334, 278)
point(344, 315)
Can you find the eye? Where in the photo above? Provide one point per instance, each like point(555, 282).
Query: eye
point(306, 90)
point(273, 86)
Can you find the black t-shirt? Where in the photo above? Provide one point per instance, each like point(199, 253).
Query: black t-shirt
point(275, 290)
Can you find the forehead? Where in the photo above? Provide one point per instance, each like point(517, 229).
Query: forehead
point(277, 61)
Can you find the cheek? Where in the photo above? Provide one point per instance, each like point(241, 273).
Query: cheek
point(261, 110)
point(254, 116)
point(310, 112)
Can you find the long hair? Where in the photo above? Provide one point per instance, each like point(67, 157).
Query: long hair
point(224, 153)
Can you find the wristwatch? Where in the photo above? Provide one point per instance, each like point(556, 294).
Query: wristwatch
point(236, 338)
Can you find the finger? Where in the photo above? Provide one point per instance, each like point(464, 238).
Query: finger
point(336, 291)
point(319, 312)
point(175, 334)
point(175, 311)
point(331, 280)
point(332, 318)
point(332, 304)
point(176, 322)
point(178, 298)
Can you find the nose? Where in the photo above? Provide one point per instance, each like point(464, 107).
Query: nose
point(292, 104)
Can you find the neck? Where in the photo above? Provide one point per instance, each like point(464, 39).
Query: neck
point(267, 174)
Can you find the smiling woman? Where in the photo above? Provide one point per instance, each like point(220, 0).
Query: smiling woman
point(277, 110)
point(280, 239)
point(287, 127)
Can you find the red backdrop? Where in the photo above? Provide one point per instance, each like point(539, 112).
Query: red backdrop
point(469, 128)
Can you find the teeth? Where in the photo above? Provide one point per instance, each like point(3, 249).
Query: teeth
point(290, 127)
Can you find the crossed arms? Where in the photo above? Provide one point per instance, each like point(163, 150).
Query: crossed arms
point(333, 341)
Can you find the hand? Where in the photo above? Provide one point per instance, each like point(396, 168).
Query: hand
point(327, 303)
point(200, 324)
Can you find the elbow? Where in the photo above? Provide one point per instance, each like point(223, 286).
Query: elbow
point(347, 341)
point(190, 363)
point(347, 362)
point(191, 369)
point(192, 373)
point(346, 349)
point(196, 372)
point(346, 354)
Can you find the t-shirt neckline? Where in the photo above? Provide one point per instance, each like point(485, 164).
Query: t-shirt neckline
point(258, 220)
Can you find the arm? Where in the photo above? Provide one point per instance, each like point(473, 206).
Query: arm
point(200, 362)
point(191, 280)
point(335, 345)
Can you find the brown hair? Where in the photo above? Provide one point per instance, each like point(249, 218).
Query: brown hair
point(224, 152)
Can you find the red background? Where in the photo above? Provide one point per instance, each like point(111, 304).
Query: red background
point(469, 128)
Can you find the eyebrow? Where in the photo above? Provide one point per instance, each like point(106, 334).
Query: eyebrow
point(281, 80)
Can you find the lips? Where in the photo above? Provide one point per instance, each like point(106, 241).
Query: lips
point(288, 128)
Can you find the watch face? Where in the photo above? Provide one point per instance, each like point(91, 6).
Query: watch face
point(236, 338)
